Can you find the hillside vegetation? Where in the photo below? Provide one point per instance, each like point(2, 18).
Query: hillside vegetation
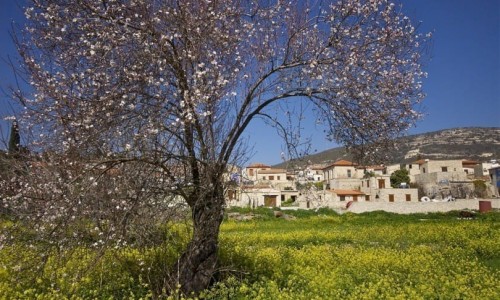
point(474, 143)
point(315, 256)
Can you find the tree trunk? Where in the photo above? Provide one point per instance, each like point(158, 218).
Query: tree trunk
point(197, 265)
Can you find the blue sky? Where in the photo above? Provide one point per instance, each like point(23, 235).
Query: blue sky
point(463, 87)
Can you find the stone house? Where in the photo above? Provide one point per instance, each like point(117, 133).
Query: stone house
point(341, 174)
point(413, 169)
point(469, 166)
point(482, 169)
point(256, 196)
point(378, 189)
point(441, 178)
point(275, 177)
point(251, 173)
point(336, 198)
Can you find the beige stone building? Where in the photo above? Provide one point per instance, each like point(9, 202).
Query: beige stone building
point(441, 178)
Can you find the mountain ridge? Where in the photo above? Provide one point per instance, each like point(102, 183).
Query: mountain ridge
point(472, 143)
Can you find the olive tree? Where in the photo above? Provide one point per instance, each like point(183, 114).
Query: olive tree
point(167, 88)
point(400, 176)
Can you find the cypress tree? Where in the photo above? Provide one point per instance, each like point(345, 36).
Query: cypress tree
point(15, 138)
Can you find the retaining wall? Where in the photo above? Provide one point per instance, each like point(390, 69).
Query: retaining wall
point(420, 207)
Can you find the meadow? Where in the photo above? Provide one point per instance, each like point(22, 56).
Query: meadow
point(318, 255)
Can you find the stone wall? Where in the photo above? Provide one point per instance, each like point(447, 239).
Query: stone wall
point(420, 207)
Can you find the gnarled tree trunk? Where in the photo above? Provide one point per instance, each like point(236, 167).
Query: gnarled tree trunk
point(197, 265)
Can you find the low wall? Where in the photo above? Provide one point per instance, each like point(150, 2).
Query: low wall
point(420, 207)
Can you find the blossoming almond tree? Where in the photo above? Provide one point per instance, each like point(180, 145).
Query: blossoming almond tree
point(167, 88)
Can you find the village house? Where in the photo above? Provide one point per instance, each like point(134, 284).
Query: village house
point(257, 195)
point(311, 173)
point(378, 188)
point(482, 169)
point(469, 166)
point(347, 180)
point(274, 177)
point(412, 168)
point(442, 178)
point(342, 182)
point(444, 169)
point(341, 175)
point(251, 173)
point(337, 198)
point(262, 185)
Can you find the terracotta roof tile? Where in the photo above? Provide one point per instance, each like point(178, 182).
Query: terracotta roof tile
point(258, 165)
point(341, 163)
point(420, 162)
point(346, 192)
point(469, 162)
point(272, 171)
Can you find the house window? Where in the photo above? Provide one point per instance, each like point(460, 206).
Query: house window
point(409, 166)
point(367, 197)
point(349, 173)
point(444, 169)
point(264, 177)
point(466, 171)
point(250, 172)
point(423, 170)
point(408, 197)
point(368, 183)
point(271, 177)
point(279, 178)
point(391, 197)
point(342, 198)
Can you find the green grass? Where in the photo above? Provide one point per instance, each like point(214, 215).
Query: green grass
point(319, 255)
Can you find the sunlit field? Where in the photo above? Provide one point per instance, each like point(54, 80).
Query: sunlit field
point(315, 256)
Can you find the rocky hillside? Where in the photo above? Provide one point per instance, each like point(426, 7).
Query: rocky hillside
point(473, 143)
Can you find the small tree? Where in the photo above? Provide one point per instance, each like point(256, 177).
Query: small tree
point(400, 176)
point(480, 188)
point(162, 91)
point(14, 138)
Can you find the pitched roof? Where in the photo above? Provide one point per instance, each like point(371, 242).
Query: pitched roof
point(420, 161)
point(258, 165)
point(272, 171)
point(341, 163)
point(382, 167)
point(344, 162)
point(346, 192)
point(469, 162)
